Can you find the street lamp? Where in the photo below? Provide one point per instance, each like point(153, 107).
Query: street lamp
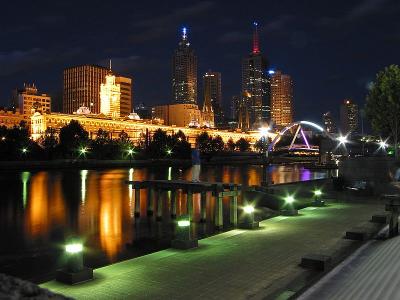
point(130, 153)
point(24, 150)
point(169, 151)
point(83, 151)
point(74, 270)
point(342, 140)
point(288, 208)
point(247, 221)
point(183, 235)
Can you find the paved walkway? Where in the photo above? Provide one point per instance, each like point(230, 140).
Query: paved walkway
point(371, 273)
point(234, 265)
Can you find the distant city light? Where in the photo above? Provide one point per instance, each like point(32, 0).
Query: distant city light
point(255, 23)
point(383, 145)
point(131, 152)
point(24, 150)
point(248, 209)
point(271, 72)
point(263, 131)
point(169, 151)
point(3, 138)
point(83, 150)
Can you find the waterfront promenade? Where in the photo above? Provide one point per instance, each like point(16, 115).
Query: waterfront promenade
point(237, 264)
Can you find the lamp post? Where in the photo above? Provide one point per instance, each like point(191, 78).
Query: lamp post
point(74, 270)
point(183, 235)
point(130, 153)
point(248, 221)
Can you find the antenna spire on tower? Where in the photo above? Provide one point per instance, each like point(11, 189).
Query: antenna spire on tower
point(184, 33)
point(110, 64)
point(256, 41)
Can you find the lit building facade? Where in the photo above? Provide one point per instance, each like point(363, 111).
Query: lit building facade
point(110, 95)
point(281, 98)
point(348, 116)
point(329, 122)
point(136, 129)
point(184, 72)
point(126, 101)
point(255, 86)
point(181, 115)
point(10, 119)
point(82, 88)
point(212, 92)
point(29, 99)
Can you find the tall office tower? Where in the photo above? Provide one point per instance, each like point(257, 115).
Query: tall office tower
point(255, 85)
point(234, 113)
point(348, 117)
point(110, 96)
point(30, 100)
point(281, 98)
point(184, 72)
point(126, 95)
point(82, 88)
point(329, 122)
point(213, 94)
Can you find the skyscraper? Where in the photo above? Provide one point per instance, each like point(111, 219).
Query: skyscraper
point(281, 98)
point(329, 122)
point(255, 85)
point(213, 94)
point(126, 95)
point(29, 99)
point(348, 116)
point(184, 72)
point(82, 88)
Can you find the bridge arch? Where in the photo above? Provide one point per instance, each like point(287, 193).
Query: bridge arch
point(297, 123)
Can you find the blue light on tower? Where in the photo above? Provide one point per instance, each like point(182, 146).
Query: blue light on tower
point(271, 72)
point(255, 23)
point(184, 33)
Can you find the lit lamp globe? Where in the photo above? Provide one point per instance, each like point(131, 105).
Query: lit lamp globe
point(318, 198)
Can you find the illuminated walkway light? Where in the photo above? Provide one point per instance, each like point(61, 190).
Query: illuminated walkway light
point(342, 140)
point(317, 198)
point(248, 209)
point(247, 220)
point(73, 248)
point(184, 223)
point(183, 235)
point(289, 199)
point(24, 150)
point(288, 208)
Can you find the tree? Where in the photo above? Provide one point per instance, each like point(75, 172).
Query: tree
point(217, 144)
point(72, 136)
point(262, 144)
point(383, 104)
point(230, 145)
point(243, 145)
point(203, 141)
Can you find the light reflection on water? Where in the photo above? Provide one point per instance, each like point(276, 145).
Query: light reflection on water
point(40, 208)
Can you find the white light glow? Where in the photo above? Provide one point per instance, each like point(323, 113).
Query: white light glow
point(73, 248)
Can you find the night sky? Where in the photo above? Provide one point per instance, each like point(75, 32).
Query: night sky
point(332, 49)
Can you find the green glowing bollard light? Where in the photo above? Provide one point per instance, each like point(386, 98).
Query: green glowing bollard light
point(183, 235)
point(317, 199)
point(74, 271)
point(288, 208)
point(247, 219)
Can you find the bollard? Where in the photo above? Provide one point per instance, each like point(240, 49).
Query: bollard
point(183, 235)
point(393, 205)
point(317, 199)
point(248, 221)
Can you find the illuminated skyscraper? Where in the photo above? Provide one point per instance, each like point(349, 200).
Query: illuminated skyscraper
point(281, 98)
point(213, 94)
point(255, 85)
point(184, 72)
point(110, 96)
point(29, 100)
point(82, 88)
point(348, 116)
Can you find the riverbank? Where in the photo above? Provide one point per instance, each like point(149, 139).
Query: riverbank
point(259, 264)
point(102, 164)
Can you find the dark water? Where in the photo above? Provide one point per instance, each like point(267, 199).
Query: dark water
point(39, 209)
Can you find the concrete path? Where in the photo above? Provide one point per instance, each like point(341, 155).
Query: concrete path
point(371, 273)
point(234, 265)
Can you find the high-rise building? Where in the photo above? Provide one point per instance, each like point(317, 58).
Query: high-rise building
point(213, 94)
point(110, 97)
point(329, 122)
point(255, 85)
point(184, 72)
point(348, 116)
point(281, 98)
point(144, 112)
point(82, 88)
point(30, 100)
point(126, 95)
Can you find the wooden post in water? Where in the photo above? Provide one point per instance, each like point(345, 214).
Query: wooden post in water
point(158, 194)
point(234, 206)
point(173, 204)
point(219, 221)
point(203, 202)
point(137, 202)
point(190, 204)
point(150, 201)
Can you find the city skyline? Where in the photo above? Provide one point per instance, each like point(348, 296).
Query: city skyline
point(289, 40)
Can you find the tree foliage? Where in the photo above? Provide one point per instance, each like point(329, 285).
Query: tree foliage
point(243, 145)
point(383, 103)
